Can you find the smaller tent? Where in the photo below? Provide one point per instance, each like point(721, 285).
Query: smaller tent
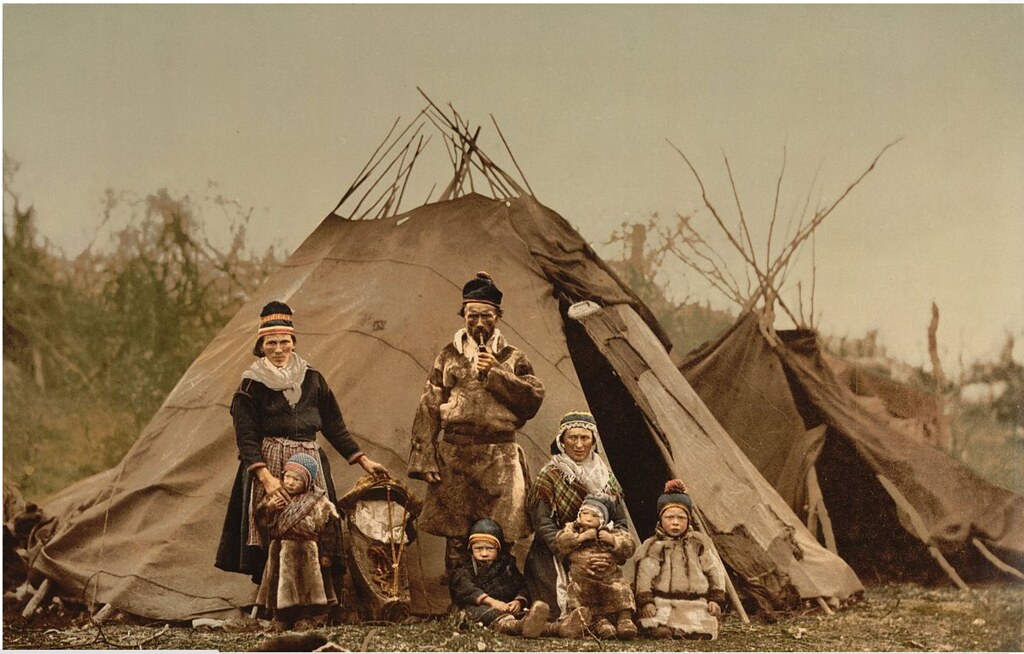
point(886, 502)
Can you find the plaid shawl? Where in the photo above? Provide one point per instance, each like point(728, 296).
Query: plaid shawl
point(565, 497)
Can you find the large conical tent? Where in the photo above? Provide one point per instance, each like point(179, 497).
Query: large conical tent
point(374, 301)
point(885, 498)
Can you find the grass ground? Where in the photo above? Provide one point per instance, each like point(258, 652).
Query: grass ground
point(895, 617)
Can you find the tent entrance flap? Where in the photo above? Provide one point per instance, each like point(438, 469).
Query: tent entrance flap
point(626, 436)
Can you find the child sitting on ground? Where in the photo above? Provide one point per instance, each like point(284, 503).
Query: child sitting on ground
point(595, 549)
point(680, 581)
point(489, 588)
point(293, 587)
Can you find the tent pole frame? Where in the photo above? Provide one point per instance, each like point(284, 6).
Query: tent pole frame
point(734, 597)
point(995, 560)
point(817, 509)
point(922, 530)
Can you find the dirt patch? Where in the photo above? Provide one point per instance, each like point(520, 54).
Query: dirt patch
point(897, 617)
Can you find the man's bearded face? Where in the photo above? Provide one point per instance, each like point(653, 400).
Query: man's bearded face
point(481, 319)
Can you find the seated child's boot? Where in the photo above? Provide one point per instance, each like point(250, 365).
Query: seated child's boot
point(604, 629)
point(532, 625)
point(507, 625)
point(661, 632)
point(625, 628)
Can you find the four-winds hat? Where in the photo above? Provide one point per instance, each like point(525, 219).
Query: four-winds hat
point(675, 496)
point(600, 504)
point(481, 289)
point(304, 465)
point(276, 318)
point(487, 531)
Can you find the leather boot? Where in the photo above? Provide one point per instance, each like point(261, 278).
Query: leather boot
point(532, 625)
point(661, 632)
point(507, 625)
point(625, 628)
point(570, 626)
point(604, 629)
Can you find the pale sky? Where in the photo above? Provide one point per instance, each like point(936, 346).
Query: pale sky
point(282, 105)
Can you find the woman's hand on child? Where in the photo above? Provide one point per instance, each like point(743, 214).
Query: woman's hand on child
point(272, 486)
point(600, 564)
point(584, 536)
point(515, 606)
point(648, 611)
point(714, 609)
point(277, 502)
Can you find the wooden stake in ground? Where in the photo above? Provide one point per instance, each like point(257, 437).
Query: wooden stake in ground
point(945, 435)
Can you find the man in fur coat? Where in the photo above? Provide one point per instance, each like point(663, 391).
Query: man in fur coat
point(479, 392)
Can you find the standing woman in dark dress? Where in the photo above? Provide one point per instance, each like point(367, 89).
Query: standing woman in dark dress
point(277, 410)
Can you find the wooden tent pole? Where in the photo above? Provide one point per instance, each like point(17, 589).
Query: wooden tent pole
point(824, 606)
point(922, 530)
point(37, 598)
point(994, 560)
point(818, 500)
point(734, 597)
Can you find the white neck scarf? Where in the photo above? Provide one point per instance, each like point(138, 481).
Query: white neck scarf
point(591, 472)
point(287, 378)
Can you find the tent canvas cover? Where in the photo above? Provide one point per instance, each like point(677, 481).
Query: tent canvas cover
point(374, 302)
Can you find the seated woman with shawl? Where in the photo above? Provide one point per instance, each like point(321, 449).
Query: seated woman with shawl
point(574, 471)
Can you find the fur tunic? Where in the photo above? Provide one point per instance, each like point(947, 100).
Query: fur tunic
point(293, 576)
point(680, 576)
point(482, 468)
point(604, 592)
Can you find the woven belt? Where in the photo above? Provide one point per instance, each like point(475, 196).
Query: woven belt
point(680, 596)
point(479, 439)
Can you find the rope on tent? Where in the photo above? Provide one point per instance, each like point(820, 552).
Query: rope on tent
point(994, 560)
point(922, 530)
point(734, 597)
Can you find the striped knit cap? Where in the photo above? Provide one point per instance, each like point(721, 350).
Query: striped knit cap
point(487, 531)
point(276, 318)
point(575, 419)
point(305, 465)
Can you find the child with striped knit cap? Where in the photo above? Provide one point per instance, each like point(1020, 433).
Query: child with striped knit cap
point(680, 581)
point(296, 585)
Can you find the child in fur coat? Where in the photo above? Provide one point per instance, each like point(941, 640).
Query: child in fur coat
point(595, 550)
point(680, 581)
point(293, 586)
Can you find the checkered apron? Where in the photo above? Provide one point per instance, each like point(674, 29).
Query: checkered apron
point(276, 451)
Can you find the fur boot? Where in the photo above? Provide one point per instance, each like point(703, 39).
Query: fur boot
point(508, 625)
point(625, 628)
point(536, 618)
point(603, 628)
point(572, 625)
